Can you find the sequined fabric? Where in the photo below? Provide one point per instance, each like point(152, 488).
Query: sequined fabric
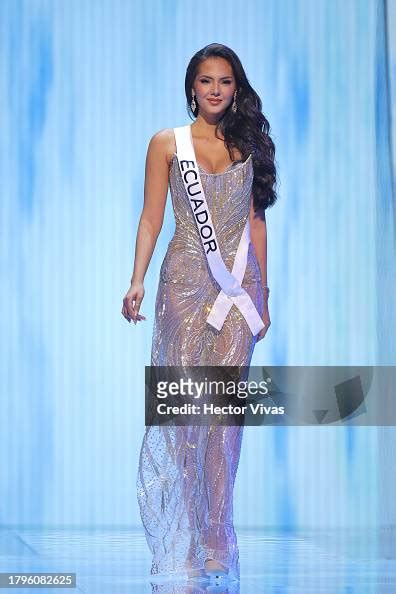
point(186, 474)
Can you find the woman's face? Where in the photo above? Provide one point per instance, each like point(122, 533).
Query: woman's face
point(214, 80)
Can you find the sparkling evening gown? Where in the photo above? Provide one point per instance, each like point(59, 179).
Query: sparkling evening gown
point(186, 473)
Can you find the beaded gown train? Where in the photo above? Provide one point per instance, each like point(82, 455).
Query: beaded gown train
point(186, 474)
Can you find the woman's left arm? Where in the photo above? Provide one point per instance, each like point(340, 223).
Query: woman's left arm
point(258, 237)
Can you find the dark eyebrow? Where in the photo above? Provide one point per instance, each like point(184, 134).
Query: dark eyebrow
point(221, 77)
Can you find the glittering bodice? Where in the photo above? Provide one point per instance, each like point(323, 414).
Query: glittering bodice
point(228, 198)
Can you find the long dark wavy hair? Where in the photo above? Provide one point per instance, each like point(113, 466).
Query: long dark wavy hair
point(247, 129)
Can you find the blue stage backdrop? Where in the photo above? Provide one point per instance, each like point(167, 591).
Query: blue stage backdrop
point(84, 85)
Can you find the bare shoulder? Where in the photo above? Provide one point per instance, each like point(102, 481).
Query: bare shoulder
point(162, 143)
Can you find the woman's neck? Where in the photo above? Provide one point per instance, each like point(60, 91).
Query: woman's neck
point(205, 126)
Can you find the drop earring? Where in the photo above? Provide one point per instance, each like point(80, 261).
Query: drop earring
point(234, 105)
point(193, 104)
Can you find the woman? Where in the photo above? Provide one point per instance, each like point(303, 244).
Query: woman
point(186, 473)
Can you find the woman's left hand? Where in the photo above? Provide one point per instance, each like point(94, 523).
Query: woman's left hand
point(267, 322)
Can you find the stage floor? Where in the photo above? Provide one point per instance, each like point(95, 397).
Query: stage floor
point(272, 561)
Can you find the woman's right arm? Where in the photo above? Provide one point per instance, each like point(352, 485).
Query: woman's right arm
point(151, 219)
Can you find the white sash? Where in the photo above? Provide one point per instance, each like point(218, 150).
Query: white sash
point(232, 292)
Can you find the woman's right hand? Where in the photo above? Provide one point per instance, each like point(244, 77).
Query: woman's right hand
point(132, 301)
